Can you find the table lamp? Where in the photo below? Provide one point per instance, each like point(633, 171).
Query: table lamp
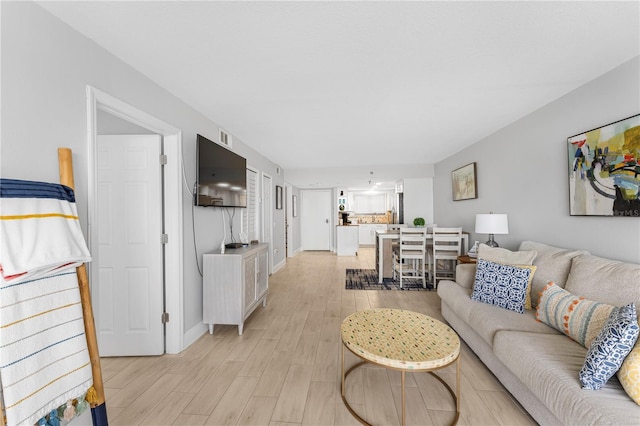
point(492, 224)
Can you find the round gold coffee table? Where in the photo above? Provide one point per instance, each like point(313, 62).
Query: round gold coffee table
point(401, 340)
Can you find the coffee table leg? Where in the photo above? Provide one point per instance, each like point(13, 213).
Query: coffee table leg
point(402, 380)
point(457, 388)
point(342, 389)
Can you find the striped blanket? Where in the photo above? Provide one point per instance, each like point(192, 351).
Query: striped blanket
point(44, 361)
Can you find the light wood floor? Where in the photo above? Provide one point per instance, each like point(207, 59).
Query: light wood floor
point(285, 368)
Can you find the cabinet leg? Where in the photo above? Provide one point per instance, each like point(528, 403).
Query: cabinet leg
point(210, 328)
point(240, 327)
point(264, 302)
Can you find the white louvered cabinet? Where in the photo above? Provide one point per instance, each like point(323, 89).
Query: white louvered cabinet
point(234, 284)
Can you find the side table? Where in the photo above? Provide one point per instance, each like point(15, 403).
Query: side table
point(467, 259)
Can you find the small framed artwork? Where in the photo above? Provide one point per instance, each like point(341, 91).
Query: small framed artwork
point(294, 206)
point(464, 183)
point(604, 177)
point(278, 197)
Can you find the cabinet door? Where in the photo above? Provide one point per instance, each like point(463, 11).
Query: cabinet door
point(363, 234)
point(262, 275)
point(249, 281)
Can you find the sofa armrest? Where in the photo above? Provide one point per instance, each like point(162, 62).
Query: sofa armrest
point(465, 274)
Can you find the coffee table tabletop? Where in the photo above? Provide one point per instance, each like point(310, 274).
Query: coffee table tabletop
point(401, 340)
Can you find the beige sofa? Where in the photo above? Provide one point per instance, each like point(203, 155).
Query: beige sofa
point(536, 363)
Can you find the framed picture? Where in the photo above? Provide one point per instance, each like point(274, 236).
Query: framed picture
point(294, 206)
point(278, 197)
point(464, 184)
point(603, 170)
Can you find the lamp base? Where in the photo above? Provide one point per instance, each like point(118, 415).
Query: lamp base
point(491, 242)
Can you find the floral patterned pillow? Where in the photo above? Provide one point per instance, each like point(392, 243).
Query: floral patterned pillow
point(608, 351)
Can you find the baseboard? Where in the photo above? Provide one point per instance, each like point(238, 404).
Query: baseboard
point(279, 266)
point(295, 252)
point(193, 334)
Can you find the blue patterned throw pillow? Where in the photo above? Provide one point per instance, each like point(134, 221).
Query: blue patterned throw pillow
point(506, 286)
point(610, 348)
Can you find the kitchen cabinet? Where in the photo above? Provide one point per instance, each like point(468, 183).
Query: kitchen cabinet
point(370, 203)
point(234, 283)
point(367, 233)
point(347, 240)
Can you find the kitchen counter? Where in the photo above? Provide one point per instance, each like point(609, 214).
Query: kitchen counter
point(347, 240)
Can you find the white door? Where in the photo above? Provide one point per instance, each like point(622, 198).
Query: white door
point(267, 215)
point(128, 296)
point(315, 219)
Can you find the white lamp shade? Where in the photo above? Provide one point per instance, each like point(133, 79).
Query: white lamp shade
point(492, 224)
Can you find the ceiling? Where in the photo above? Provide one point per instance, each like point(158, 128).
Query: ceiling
point(331, 84)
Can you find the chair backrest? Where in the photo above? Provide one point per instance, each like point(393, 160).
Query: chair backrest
point(413, 242)
point(447, 242)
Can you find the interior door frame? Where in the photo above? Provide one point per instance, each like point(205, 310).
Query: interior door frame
point(172, 182)
point(267, 213)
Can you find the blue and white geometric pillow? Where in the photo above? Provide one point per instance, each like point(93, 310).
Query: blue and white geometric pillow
point(506, 286)
point(610, 348)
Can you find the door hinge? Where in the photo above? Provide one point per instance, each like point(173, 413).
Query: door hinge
point(164, 239)
point(163, 159)
point(165, 317)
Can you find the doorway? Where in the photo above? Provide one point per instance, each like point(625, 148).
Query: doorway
point(172, 182)
point(130, 268)
point(316, 219)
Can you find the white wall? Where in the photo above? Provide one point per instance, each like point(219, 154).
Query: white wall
point(46, 67)
point(418, 200)
point(522, 171)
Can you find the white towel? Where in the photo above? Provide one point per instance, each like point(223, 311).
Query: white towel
point(44, 360)
point(24, 222)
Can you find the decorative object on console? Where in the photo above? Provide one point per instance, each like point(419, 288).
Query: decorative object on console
point(473, 251)
point(464, 184)
point(492, 224)
point(278, 197)
point(603, 178)
point(609, 349)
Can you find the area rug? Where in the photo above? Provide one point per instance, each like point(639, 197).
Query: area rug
point(367, 279)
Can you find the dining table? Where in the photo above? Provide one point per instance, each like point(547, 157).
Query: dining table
point(384, 250)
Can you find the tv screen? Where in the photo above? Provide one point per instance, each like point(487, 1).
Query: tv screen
point(222, 176)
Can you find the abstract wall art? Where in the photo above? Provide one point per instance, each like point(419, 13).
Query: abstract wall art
point(604, 174)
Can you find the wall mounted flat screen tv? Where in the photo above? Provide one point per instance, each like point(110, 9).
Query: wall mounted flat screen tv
point(222, 176)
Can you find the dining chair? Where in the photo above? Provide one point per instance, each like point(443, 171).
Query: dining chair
point(410, 261)
point(446, 247)
point(429, 249)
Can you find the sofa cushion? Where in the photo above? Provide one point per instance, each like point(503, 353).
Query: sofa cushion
point(629, 373)
point(605, 280)
point(548, 365)
point(610, 348)
point(485, 319)
point(457, 297)
point(553, 265)
point(579, 318)
point(506, 286)
point(507, 257)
